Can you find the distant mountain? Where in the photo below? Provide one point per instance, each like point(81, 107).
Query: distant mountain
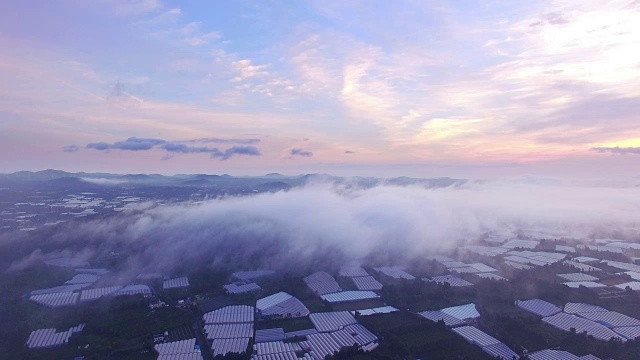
point(206, 176)
point(261, 183)
point(275, 175)
point(38, 175)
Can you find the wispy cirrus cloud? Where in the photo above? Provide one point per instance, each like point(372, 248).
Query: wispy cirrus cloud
point(618, 150)
point(226, 141)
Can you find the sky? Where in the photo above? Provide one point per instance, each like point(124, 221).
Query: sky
point(474, 89)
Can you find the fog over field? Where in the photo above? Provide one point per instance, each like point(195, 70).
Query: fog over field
point(329, 222)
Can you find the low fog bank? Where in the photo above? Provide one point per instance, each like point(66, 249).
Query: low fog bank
point(325, 225)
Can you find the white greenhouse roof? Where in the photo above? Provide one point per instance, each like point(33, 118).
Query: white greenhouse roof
point(180, 282)
point(322, 345)
point(574, 308)
point(44, 338)
point(634, 285)
point(566, 322)
point(585, 259)
point(597, 248)
point(624, 245)
point(465, 270)
point(61, 288)
point(538, 307)
point(137, 289)
point(610, 319)
point(281, 304)
point(360, 334)
point(517, 265)
point(196, 355)
point(331, 321)
point(482, 267)
point(241, 288)
point(580, 266)
point(500, 351)
point(230, 314)
point(177, 347)
point(558, 355)
point(578, 277)
point(622, 265)
point(55, 299)
point(300, 333)
point(629, 332)
point(378, 310)
point(352, 271)
point(94, 294)
point(587, 284)
point(225, 346)
point(366, 283)
point(476, 336)
point(322, 283)
point(290, 355)
point(634, 275)
point(467, 311)
point(269, 335)
point(437, 315)
point(396, 272)
point(452, 280)
point(274, 347)
point(349, 296)
point(229, 331)
point(491, 276)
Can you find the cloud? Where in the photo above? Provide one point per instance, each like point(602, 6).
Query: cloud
point(305, 228)
point(99, 146)
point(180, 147)
point(246, 70)
point(227, 141)
point(186, 149)
point(301, 152)
point(132, 144)
point(119, 94)
point(215, 152)
point(133, 7)
point(617, 150)
point(349, 152)
point(240, 150)
point(203, 39)
point(70, 148)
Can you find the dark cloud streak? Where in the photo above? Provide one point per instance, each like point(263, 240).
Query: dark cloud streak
point(70, 148)
point(301, 152)
point(179, 147)
point(132, 144)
